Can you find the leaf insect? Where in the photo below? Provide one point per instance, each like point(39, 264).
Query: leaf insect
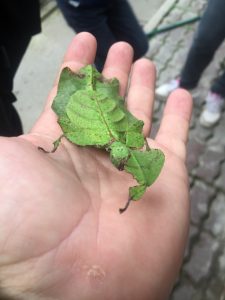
point(92, 113)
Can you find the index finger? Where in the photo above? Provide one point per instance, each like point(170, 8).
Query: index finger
point(80, 53)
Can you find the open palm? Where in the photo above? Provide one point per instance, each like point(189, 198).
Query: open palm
point(61, 235)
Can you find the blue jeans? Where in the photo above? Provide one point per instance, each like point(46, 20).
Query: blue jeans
point(209, 36)
point(109, 22)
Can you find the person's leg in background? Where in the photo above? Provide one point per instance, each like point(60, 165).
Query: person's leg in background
point(125, 27)
point(92, 19)
point(209, 36)
point(11, 53)
point(218, 85)
point(109, 22)
point(215, 100)
point(207, 39)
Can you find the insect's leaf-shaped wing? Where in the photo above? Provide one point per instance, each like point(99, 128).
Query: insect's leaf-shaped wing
point(109, 87)
point(127, 129)
point(117, 122)
point(69, 83)
point(92, 119)
point(145, 166)
point(134, 136)
point(132, 128)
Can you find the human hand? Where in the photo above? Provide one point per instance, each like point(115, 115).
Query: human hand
point(61, 235)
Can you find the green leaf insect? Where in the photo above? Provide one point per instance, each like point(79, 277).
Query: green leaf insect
point(91, 113)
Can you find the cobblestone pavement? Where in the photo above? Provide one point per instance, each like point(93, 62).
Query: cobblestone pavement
point(203, 272)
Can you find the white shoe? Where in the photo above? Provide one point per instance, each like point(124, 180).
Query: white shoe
point(165, 89)
point(212, 111)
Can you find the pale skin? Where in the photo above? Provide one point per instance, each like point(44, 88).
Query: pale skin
point(61, 235)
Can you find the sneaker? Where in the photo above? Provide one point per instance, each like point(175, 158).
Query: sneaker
point(212, 111)
point(165, 89)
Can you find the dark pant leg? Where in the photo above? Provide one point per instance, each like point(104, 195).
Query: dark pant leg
point(125, 27)
point(11, 53)
point(10, 124)
point(110, 22)
point(91, 19)
point(218, 86)
point(208, 38)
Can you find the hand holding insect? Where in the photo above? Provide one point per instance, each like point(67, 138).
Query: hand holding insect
point(61, 235)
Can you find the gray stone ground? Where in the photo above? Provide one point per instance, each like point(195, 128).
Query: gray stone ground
point(203, 272)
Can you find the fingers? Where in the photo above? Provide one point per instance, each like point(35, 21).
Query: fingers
point(118, 64)
point(141, 92)
point(173, 131)
point(81, 51)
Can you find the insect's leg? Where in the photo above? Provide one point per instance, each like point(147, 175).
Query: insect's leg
point(121, 210)
point(56, 144)
point(147, 145)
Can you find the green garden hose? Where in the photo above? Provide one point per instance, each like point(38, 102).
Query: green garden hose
point(162, 29)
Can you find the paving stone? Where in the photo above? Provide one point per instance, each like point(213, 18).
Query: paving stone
point(200, 262)
point(165, 54)
point(184, 292)
point(174, 70)
point(200, 196)
point(221, 265)
point(154, 129)
point(199, 295)
point(183, 3)
point(219, 57)
point(220, 182)
point(199, 6)
point(155, 45)
point(191, 180)
point(166, 76)
point(189, 14)
point(216, 221)
point(192, 123)
point(203, 133)
point(209, 167)
point(218, 136)
point(162, 36)
point(160, 66)
point(210, 73)
point(177, 11)
point(221, 260)
point(177, 35)
point(215, 289)
point(193, 232)
point(179, 57)
point(214, 154)
point(198, 96)
point(158, 112)
point(194, 149)
point(175, 16)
